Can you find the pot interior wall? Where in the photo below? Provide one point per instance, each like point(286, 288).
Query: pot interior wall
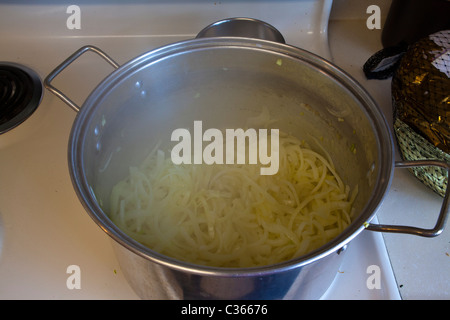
point(223, 87)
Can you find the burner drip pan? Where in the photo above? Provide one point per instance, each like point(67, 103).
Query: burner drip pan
point(20, 94)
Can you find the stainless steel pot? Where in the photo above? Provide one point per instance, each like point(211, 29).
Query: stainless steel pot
point(222, 81)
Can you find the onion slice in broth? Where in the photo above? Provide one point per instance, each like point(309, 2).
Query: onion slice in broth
point(231, 215)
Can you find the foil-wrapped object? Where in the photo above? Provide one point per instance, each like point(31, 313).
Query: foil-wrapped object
point(421, 101)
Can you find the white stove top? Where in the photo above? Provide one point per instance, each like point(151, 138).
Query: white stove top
point(43, 227)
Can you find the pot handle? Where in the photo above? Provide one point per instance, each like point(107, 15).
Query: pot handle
point(443, 215)
point(65, 64)
point(242, 27)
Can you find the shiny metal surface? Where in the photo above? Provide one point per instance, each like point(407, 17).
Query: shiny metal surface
point(155, 281)
point(242, 27)
point(48, 80)
point(443, 213)
point(223, 81)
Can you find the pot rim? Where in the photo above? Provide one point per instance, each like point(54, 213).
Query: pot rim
point(385, 157)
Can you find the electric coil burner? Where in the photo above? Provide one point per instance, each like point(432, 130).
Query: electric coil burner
point(20, 94)
point(49, 246)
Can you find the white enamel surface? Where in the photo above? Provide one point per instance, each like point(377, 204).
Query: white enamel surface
point(43, 227)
